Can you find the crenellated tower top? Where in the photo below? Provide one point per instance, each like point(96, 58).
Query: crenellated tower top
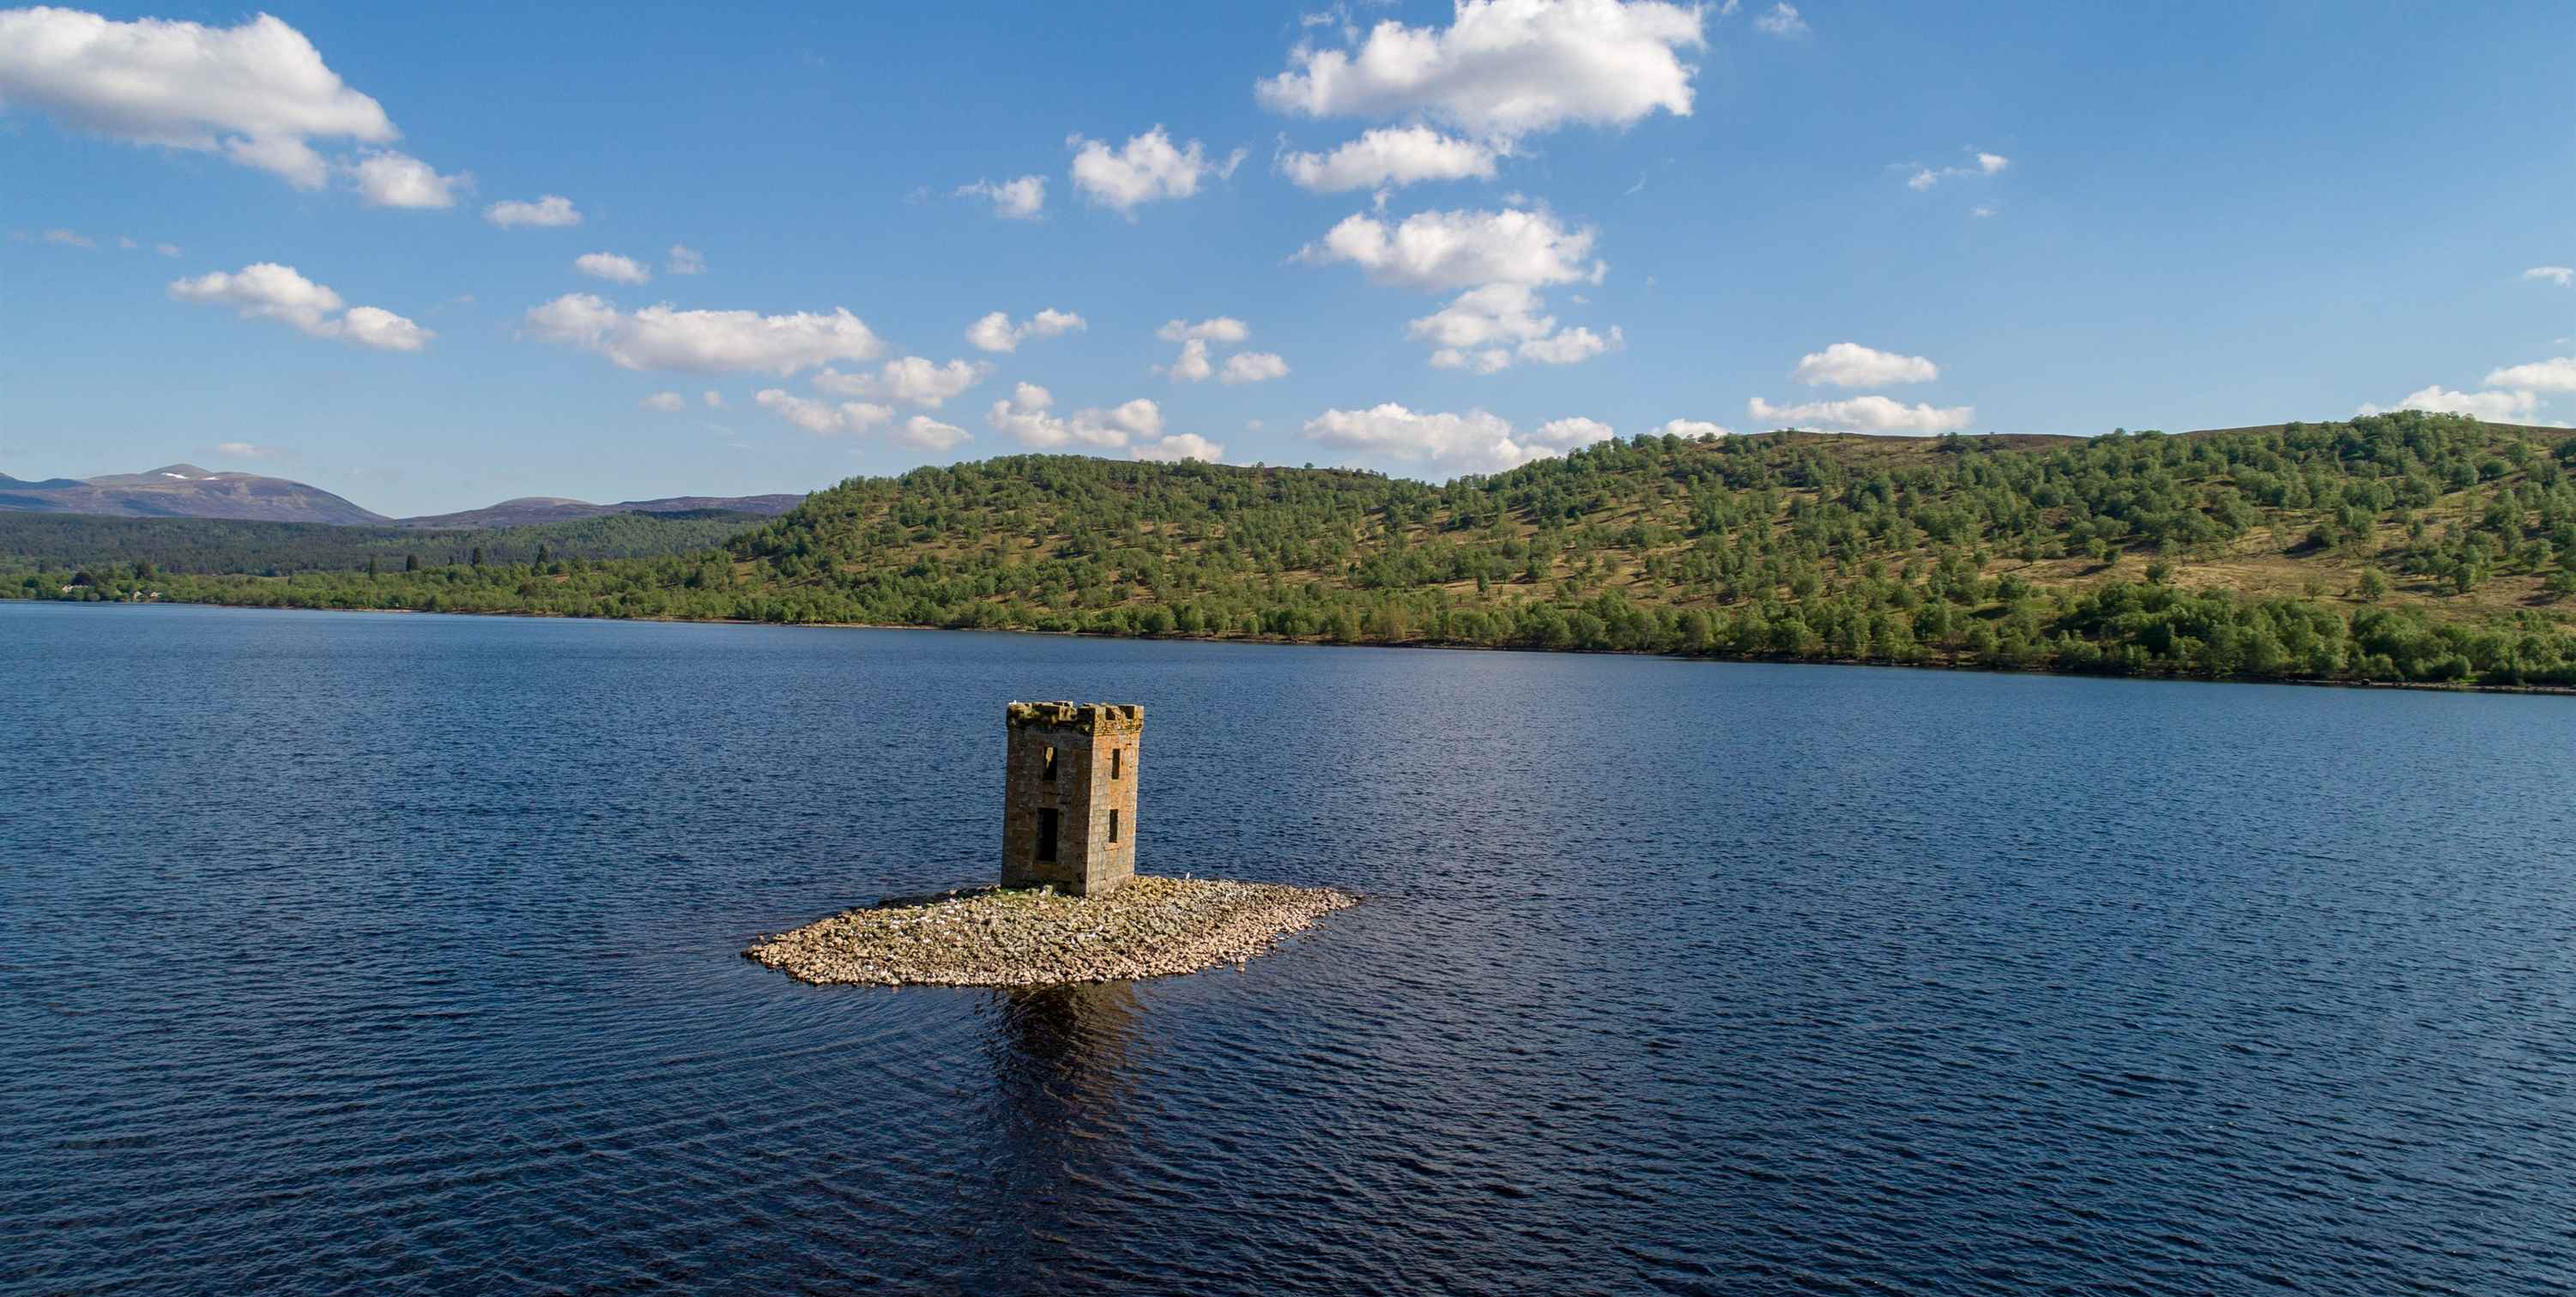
point(1082, 718)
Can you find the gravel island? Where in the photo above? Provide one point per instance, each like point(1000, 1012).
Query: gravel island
point(1033, 936)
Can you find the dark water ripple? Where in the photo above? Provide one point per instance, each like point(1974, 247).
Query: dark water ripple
point(398, 954)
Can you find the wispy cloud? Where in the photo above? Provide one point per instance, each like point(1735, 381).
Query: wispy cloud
point(1984, 164)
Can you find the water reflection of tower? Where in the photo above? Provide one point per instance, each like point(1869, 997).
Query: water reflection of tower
point(1065, 1063)
point(1063, 1054)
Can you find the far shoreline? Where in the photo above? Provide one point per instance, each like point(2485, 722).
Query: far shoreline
point(2416, 686)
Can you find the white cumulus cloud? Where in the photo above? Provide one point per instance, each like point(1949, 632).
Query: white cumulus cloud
point(1027, 417)
point(925, 433)
point(1566, 434)
point(1136, 418)
point(2492, 406)
point(2563, 276)
point(1862, 414)
point(1474, 442)
point(374, 326)
point(70, 239)
point(2557, 374)
point(1483, 360)
point(1504, 313)
point(705, 342)
point(1693, 428)
point(1192, 365)
point(268, 291)
point(1149, 168)
point(822, 418)
point(1179, 446)
point(389, 179)
point(1849, 364)
point(1019, 200)
point(1486, 329)
point(666, 402)
point(1253, 367)
point(913, 379)
point(685, 260)
point(551, 211)
point(1570, 346)
point(995, 332)
point(1389, 158)
point(1023, 416)
point(1222, 328)
point(610, 266)
point(1442, 251)
point(257, 93)
point(1503, 68)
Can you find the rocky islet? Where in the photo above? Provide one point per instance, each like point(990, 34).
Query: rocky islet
point(995, 936)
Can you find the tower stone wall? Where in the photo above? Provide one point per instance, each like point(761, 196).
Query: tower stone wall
point(1069, 795)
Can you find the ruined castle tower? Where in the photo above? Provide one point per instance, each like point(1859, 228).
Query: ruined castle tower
point(1069, 795)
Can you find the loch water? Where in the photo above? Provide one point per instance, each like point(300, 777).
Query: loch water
point(402, 953)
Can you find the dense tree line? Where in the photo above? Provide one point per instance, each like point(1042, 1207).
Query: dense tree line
point(225, 546)
point(2420, 547)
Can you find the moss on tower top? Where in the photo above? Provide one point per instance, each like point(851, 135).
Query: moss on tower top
point(1087, 718)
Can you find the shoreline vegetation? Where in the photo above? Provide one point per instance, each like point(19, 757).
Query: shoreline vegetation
point(1713, 656)
point(2403, 549)
point(1150, 926)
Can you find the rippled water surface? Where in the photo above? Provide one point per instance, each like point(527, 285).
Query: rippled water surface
point(377, 952)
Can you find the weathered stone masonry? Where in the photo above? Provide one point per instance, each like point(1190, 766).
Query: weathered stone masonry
point(1069, 795)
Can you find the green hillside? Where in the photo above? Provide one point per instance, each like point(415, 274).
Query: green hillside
point(2398, 547)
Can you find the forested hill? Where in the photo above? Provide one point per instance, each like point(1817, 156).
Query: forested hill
point(2403, 546)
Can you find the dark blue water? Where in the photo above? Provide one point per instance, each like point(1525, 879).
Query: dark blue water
point(387, 953)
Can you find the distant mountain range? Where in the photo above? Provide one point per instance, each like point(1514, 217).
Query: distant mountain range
point(187, 491)
point(533, 509)
point(183, 491)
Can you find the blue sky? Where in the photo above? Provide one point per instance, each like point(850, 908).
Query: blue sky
point(2013, 218)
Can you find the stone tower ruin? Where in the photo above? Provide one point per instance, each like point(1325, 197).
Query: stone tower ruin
point(1069, 795)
